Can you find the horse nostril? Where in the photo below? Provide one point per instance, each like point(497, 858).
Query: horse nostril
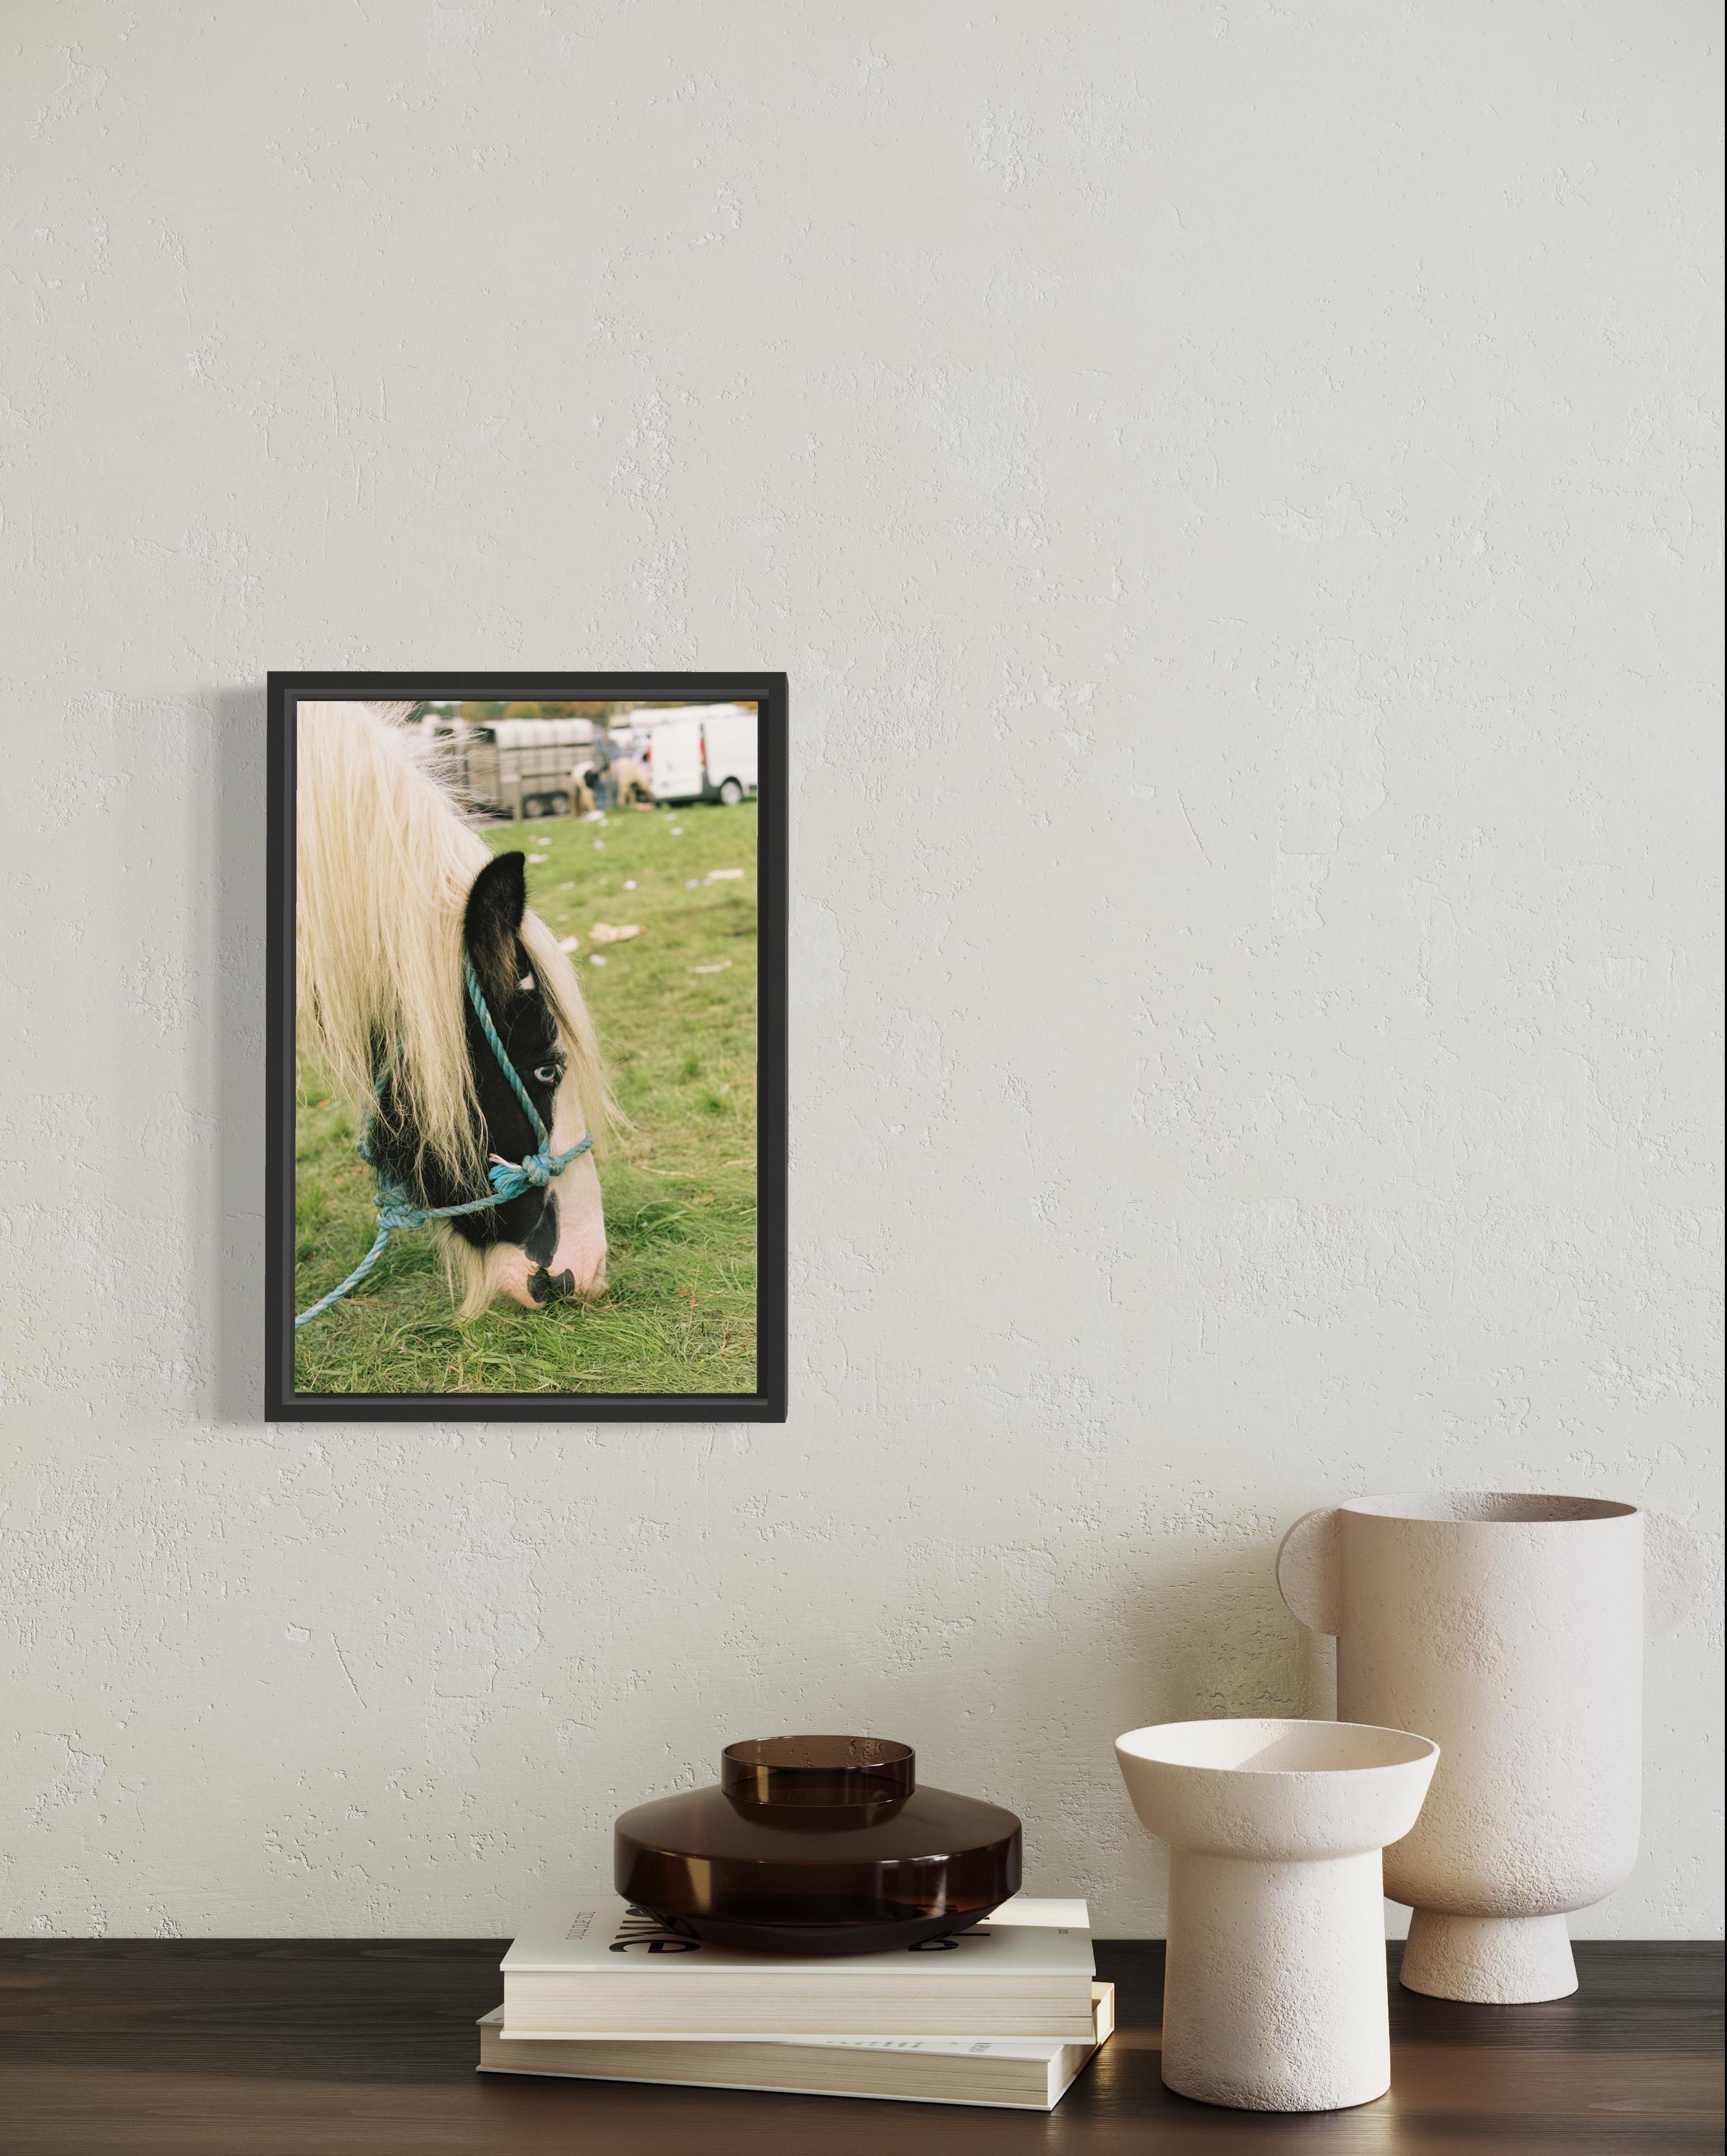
point(551, 1287)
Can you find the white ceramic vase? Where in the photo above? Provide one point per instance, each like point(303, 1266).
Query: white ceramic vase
point(1274, 1991)
point(1509, 1628)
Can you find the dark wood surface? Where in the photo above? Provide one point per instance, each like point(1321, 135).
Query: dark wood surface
point(327, 2047)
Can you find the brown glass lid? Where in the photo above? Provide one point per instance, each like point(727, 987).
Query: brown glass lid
point(818, 1770)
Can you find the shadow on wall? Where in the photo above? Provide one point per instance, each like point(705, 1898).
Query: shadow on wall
point(1229, 1647)
point(1203, 1634)
point(1215, 1641)
point(233, 1297)
point(1166, 1632)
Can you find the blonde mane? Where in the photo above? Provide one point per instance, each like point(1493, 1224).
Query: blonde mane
point(384, 866)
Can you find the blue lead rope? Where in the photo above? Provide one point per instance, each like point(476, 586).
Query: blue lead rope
point(509, 1180)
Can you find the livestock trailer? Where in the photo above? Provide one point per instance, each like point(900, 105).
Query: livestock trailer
point(520, 768)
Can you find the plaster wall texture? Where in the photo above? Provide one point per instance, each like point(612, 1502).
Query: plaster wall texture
point(1234, 488)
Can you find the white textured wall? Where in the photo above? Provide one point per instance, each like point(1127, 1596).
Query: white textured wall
point(1234, 489)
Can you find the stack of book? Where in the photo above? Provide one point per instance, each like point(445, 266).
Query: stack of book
point(1006, 2013)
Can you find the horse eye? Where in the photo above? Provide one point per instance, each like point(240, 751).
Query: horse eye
point(547, 1074)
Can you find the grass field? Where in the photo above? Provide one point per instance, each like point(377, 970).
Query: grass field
point(679, 1184)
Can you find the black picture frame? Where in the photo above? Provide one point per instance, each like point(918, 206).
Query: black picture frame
point(769, 692)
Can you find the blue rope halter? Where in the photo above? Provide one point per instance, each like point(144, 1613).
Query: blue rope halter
point(509, 1180)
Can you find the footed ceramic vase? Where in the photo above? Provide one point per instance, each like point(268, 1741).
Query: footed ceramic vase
point(1274, 1990)
point(1510, 1629)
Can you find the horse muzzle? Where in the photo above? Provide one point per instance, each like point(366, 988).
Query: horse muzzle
point(534, 1285)
point(551, 1287)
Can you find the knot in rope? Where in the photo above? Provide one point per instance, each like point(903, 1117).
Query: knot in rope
point(396, 1209)
point(533, 1171)
point(510, 1178)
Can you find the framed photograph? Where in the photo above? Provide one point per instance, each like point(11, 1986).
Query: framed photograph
point(527, 1047)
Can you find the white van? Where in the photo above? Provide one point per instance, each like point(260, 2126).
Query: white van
point(703, 752)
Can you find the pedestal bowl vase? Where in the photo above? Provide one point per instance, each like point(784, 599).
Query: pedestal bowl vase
point(1274, 1990)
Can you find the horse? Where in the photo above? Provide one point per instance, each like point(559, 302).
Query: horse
point(629, 782)
point(626, 781)
point(411, 940)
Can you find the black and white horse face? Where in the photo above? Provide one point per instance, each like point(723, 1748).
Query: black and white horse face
point(547, 1245)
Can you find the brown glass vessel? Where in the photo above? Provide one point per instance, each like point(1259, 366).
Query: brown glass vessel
point(818, 1845)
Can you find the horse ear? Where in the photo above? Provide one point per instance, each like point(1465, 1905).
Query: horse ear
point(492, 924)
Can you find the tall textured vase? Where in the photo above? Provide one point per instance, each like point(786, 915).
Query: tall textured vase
point(1509, 1628)
point(1274, 1990)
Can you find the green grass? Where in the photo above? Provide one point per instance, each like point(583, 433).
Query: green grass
point(679, 1184)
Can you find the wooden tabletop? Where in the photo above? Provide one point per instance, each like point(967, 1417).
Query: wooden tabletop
point(346, 2047)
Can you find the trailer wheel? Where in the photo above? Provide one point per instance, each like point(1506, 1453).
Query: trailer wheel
point(731, 793)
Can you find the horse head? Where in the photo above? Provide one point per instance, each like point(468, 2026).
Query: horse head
point(547, 1243)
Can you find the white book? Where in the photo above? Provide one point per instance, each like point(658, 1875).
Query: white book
point(1024, 2073)
point(609, 1969)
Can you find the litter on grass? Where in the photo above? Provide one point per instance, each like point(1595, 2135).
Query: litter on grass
point(629, 883)
point(595, 958)
point(719, 968)
point(723, 876)
point(603, 932)
point(569, 942)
